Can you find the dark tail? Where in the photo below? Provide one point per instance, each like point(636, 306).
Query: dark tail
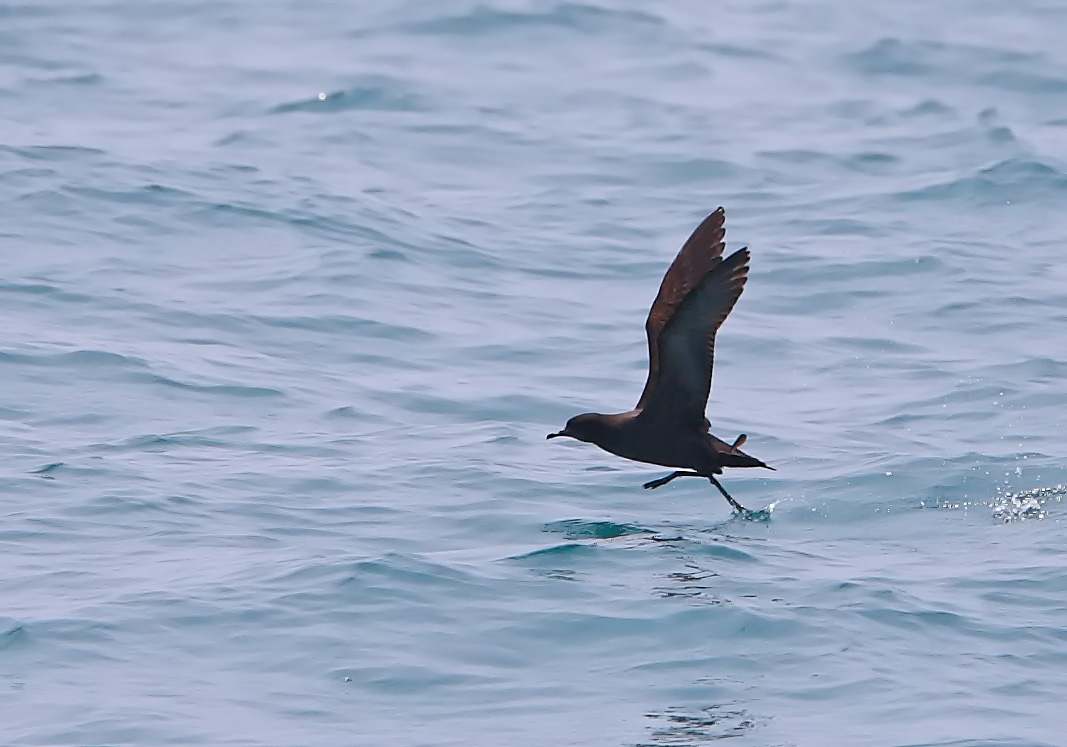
point(729, 455)
point(740, 459)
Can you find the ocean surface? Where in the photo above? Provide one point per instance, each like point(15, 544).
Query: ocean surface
point(292, 293)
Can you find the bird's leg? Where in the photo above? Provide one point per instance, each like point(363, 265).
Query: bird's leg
point(737, 506)
point(664, 480)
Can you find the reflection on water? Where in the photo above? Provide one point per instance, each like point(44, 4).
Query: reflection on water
point(680, 726)
point(691, 583)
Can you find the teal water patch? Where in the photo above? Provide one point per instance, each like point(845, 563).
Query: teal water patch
point(579, 529)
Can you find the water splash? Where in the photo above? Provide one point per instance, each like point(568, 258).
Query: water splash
point(1008, 506)
point(1026, 504)
point(760, 514)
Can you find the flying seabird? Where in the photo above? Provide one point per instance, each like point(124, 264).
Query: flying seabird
point(668, 427)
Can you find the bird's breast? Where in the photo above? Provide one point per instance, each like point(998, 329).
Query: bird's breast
point(641, 442)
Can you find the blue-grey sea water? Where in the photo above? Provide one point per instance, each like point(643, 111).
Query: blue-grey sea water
point(292, 293)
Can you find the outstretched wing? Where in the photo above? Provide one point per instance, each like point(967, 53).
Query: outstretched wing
point(700, 253)
point(686, 346)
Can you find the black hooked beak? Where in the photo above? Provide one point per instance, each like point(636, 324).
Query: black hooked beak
point(557, 435)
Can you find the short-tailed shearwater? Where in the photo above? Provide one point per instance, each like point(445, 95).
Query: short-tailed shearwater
point(668, 427)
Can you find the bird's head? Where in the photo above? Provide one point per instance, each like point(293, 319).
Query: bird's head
point(585, 427)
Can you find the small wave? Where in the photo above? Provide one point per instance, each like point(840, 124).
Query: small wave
point(1024, 80)
point(238, 215)
point(891, 56)
point(44, 289)
point(375, 94)
point(1001, 742)
point(348, 412)
point(76, 359)
point(722, 551)
point(349, 325)
point(402, 678)
point(695, 170)
point(486, 21)
point(68, 634)
point(51, 152)
point(736, 51)
point(151, 440)
point(46, 470)
point(233, 390)
point(13, 637)
point(578, 529)
point(100, 358)
point(393, 575)
point(927, 108)
point(1008, 181)
point(994, 67)
point(145, 194)
point(566, 550)
point(85, 79)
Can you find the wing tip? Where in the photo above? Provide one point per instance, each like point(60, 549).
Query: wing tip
point(716, 218)
point(738, 261)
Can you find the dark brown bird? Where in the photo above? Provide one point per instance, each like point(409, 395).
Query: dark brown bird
point(668, 427)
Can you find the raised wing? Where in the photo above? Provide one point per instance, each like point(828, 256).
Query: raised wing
point(686, 346)
point(700, 253)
